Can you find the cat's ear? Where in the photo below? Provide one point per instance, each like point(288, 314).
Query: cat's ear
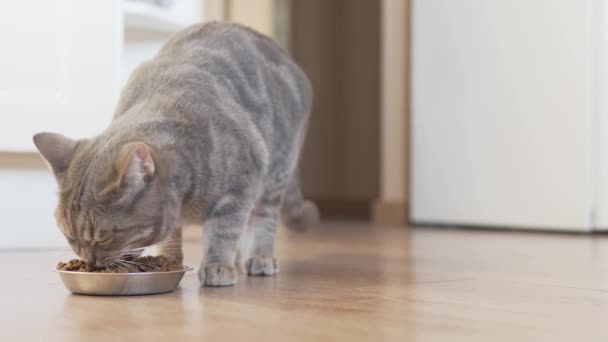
point(133, 168)
point(57, 149)
point(134, 165)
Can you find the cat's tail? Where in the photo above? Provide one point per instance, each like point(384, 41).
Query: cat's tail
point(298, 213)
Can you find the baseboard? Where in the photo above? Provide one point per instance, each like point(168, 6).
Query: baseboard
point(390, 212)
point(344, 208)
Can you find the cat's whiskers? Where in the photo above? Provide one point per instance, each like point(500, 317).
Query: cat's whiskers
point(124, 259)
point(164, 242)
point(127, 253)
point(122, 265)
point(137, 264)
point(112, 266)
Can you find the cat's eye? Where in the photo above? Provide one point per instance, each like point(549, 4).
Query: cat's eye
point(105, 242)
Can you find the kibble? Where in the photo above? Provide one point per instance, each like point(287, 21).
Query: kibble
point(147, 263)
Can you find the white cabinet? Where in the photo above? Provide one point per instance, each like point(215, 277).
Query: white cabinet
point(59, 65)
point(168, 16)
point(63, 62)
point(147, 26)
point(62, 66)
point(508, 117)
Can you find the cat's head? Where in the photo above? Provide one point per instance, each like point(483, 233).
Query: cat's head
point(110, 197)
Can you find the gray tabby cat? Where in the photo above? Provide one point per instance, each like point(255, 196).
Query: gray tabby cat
point(210, 131)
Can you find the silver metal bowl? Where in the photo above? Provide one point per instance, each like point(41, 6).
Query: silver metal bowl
point(121, 284)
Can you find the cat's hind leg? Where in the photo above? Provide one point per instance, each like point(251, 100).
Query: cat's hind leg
point(263, 228)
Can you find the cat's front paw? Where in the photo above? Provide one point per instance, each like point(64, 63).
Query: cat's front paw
point(262, 266)
point(217, 274)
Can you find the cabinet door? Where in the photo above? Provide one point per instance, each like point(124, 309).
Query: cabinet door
point(504, 111)
point(60, 68)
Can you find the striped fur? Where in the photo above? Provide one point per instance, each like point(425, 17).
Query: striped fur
point(208, 131)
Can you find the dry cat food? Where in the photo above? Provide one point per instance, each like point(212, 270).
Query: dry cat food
point(138, 265)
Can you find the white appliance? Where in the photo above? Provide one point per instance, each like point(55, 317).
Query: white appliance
point(509, 121)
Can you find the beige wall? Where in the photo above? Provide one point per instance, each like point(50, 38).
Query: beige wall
point(391, 206)
point(214, 9)
point(257, 14)
point(407, 101)
point(337, 43)
point(395, 101)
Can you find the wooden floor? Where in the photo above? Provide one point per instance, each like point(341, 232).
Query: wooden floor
point(342, 282)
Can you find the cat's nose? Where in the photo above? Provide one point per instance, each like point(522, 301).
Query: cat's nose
point(98, 263)
point(95, 261)
point(89, 257)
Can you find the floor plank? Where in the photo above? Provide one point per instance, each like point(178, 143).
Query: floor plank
point(339, 282)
